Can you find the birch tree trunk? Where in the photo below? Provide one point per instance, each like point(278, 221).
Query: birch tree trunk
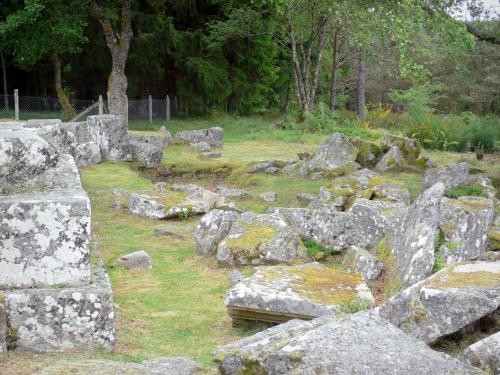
point(335, 57)
point(4, 77)
point(118, 45)
point(61, 95)
point(360, 88)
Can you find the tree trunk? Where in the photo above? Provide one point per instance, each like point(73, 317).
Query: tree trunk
point(118, 46)
point(360, 87)
point(61, 95)
point(333, 92)
point(4, 76)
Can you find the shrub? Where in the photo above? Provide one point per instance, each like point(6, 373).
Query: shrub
point(464, 190)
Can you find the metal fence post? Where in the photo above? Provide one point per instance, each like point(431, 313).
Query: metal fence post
point(150, 100)
point(101, 105)
point(16, 104)
point(167, 108)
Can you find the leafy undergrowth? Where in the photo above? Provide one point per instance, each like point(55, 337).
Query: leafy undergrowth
point(465, 191)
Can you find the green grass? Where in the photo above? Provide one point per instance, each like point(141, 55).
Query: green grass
point(465, 191)
point(318, 251)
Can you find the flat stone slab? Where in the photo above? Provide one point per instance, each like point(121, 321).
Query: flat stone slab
point(44, 239)
point(451, 175)
point(61, 319)
point(447, 301)
point(213, 136)
point(360, 344)
point(280, 293)
point(157, 366)
point(484, 354)
point(135, 261)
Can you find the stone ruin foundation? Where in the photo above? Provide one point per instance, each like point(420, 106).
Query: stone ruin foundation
point(54, 291)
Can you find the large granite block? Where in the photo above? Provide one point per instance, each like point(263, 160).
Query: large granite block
point(213, 136)
point(57, 319)
point(44, 239)
point(110, 133)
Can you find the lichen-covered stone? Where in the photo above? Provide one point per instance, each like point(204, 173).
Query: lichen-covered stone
point(231, 192)
point(3, 326)
point(392, 159)
point(337, 151)
point(494, 235)
point(306, 197)
point(268, 196)
point(369, 152)
point(359, 344)
point(412, 243)
point(280, 293)
point(144, 205)
point(200, 146)
point(484, 354)
point(213, 228)
point(264, 165)
point(447, 301)
point(87, 153)
point(365, 263)
point(260, 239)
point(57, 319)
point(44, 239)
point(213, 136)
point(328, 199)
point(135, 261)
point(485, 183)
point(147, 149)
point(464, 224)
point(385, 189)
point(450, 175)
point(157, 366)
point(110, 133)
point(410, 148)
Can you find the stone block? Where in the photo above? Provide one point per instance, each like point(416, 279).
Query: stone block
point(213, 136)
point(44, 239)
point(110, 133)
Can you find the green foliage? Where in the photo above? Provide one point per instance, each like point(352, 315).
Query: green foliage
point(318, 251)
point(439, 263)
point(355, 305)
point(465, 190)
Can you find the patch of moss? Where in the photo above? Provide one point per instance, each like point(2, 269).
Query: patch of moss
point(447, 278)
point(465, 190)
point(452, 246)
point(473, 203)
point(342, 170)
point(249, 241)
point(171, 198)
point(418, 313)
point(381, 181)
point(318, 251)
point(494, 238)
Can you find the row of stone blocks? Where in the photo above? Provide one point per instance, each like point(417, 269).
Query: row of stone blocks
point(52, 297)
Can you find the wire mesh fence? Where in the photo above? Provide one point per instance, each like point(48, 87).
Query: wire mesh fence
point(35, 107)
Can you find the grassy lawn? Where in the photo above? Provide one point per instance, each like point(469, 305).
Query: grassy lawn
point(177, 307)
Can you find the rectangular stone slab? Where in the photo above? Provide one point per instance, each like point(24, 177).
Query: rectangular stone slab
point(44, 239)
point(57, 319)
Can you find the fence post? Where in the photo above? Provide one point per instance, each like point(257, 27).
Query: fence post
point(16, 104)
point(150, 100)
point(101, 105)
point(167, 108)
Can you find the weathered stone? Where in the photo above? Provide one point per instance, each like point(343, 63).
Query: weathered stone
point(361, 261)
point(235, 277)
point(484, 354)
point(464, 223)
point(211, 155)
point(44, 239)
point(423, 162)
point(262, 166)
point(64, 175)
point(87, 153)
point(336, 152)
point(450, 175)
point(198, 201)
point(54, 132)
point(213, 228)
point(363, 344)
point(447, 301)
point(110, 133)
point(157, 366)
point(166, 133)
point(410, 148)
point(135, 261)
point(485, 183)
point(213, 136)
point(271, 170)
point(306, 197)
point(147, 149)
point(269, 196)
point(369, 152)
point(391, 160)
point(412, 243)
point(260, 239)
point(385, 189)
point(494, 235)
point(200, 146)
point(280, 293)
point(158, 141)
point(3, 326)
point(56, 319)
point(231, 192)
point(327, 199)
point(145, 206)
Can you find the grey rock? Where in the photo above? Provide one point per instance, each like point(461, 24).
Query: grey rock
point(3, 326)
point(231, 192)
point(135, 261)
point(269, 196)
point(263, 166)
point(87, 153)
point(213, 136)
point(147, 149)
point(364, 344)
point(110, 133)
point(211, 155)
point(391, 160)
point(271, 170)
point(369, 152)
point(213, 228)
point(260, 239)
point(145, 206)
point(44, 238)
point(484, 354)
point(388, 190)
point(157, 366)
point(326, 199)
point(198, 201)
point(290, 169)
point(63, 319)
point(306, 197)
point(450, 175)
point(166, 133)
point(280, 293)
point(361, 261)
point(447, 301)
point(485, 183)
point(412, 243)
point(337, 151)
point(235, 277)
point(410, 148)
point(157, 141)
point(464, 224)
point(200, 146)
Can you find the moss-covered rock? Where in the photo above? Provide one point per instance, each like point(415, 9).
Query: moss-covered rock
point(410, 148)
point(369, 152)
